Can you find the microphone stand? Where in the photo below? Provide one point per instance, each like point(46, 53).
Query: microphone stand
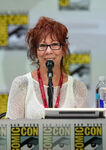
point(50, 65)
point(50, 90)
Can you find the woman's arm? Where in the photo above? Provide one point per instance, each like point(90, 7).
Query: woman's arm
point(16, 100)
point(81, 94)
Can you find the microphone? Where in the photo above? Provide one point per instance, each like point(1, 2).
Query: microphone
point(50, 65)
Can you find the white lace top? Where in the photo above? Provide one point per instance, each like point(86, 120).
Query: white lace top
point(25, 100)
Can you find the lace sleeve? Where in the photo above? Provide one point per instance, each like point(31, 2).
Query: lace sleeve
point(15, 107)
point(81, 94)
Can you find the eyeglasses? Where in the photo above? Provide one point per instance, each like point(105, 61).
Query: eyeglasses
point(53, 46)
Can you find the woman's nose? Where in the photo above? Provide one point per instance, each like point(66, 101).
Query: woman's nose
point(49, 50)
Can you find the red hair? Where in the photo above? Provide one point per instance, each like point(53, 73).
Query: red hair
point(44, 27)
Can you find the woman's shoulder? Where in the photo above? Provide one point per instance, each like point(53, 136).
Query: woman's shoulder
point(21, 79)
point(80, 88)
point(79, 84)
point(76, 82)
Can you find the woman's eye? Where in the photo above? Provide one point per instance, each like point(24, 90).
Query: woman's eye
point(55, 44)
point(42, 45)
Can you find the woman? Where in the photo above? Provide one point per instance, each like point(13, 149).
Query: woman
point(28, 95)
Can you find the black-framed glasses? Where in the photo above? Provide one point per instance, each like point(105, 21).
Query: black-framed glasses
point(53, 46)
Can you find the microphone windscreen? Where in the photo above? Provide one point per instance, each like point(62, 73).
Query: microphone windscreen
point(49, 64)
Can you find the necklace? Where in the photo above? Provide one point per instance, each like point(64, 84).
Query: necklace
point(43, 92)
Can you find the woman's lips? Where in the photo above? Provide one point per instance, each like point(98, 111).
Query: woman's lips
point(49, 58)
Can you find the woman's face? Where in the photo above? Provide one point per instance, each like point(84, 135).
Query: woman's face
point(54, 52)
